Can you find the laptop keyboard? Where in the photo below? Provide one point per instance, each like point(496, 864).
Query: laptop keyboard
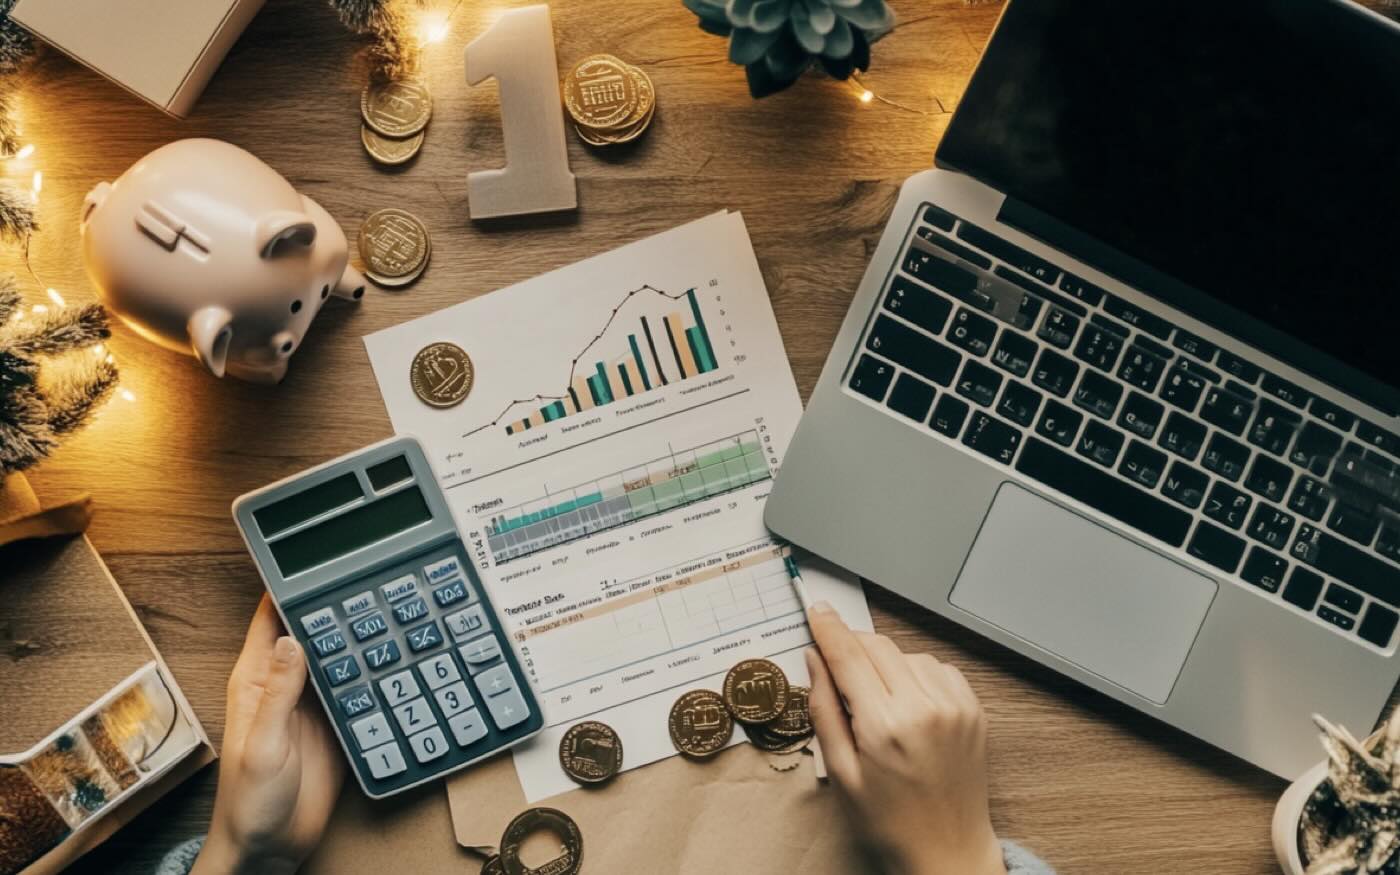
point(985, 344)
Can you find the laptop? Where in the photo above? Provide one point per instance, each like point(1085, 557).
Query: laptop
point(1119, 388)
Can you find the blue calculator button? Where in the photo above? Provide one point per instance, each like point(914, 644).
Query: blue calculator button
point(370, 626)
point(451, 594)
point(382, 655)
point(331, 642)
point(407, 612)
point(318, 621)
point(356, 701)
point(425, 636)
point(343, 670)
point(466, 623)
point(358, 604)
point(444, 570)
point(399, 587)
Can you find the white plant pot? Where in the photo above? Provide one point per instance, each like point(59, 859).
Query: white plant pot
point(1288, 813)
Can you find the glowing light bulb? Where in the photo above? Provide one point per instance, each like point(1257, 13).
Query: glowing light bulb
point(57, 299)
point(867, 95)
point(99, 350)
point(432, 27)
point(126, 394)
point(25, 152)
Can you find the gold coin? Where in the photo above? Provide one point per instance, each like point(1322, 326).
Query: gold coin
point(600, 93)
point(396, 282)
point(590, 752)
point(796, 719)
point(492, 866)
point(699, 723)
point(755, 691)
point(627, 135)
point(396, 109)
point(531, 821)
point(393, 242)
point(646, 95)
point(390, 150)
point(763, 738)
point(441, 374)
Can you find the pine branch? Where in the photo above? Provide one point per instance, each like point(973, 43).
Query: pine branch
point(16, 45)
point(59, 331)
point(9, 299)
point(356, 14)
point(9, 127)
point(396, 53)
point(71, 401)
point(17, 219)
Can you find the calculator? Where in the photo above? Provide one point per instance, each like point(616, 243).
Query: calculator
point(364, 563)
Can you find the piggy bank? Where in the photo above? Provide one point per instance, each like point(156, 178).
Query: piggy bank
point(201, 247)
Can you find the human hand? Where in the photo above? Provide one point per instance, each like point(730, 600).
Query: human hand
point(907, 751)
point(282, 768)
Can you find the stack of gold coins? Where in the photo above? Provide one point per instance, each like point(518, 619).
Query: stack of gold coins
point(395, 247)
point(395, 117)
point(757, 696)
point(609, 100)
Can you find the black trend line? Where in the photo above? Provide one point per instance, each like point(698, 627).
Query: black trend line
point(573, 366)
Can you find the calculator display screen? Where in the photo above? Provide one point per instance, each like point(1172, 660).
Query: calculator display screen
point(350, 531)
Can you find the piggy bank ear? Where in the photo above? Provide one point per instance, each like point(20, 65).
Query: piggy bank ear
point(211, 329)
point(95, 199)
point(284, 228)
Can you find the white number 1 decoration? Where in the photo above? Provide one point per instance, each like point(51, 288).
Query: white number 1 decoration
point(519, 51)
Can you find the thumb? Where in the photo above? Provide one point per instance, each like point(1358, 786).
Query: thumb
point(270, 736)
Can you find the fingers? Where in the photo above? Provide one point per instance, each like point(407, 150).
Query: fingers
point(829, 720)
point(849, 665)
point(269, 736)
point(245, 682)
point(891, 664)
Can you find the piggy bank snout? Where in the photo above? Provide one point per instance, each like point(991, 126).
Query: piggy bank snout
point(284, 343)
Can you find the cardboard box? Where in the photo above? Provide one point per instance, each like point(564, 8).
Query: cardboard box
point(163, 51)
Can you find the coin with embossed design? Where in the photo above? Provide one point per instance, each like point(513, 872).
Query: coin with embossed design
point(755, 691)
point(400, 108)
point(390, 150)
point(394, 243)
point(601, 93)
point(796, 719)
point(700, 724)
point(534, 820)
point(590, 752)
point(441, 374)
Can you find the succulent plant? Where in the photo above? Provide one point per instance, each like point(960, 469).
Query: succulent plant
point(1351, 823)
point(777, 40)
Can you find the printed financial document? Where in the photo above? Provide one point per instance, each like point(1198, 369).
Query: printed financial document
point(608, 471)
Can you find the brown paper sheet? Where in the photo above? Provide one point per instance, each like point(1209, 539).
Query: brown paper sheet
point(21, 517)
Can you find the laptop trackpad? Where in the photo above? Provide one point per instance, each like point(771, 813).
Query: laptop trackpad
point(1078, 590)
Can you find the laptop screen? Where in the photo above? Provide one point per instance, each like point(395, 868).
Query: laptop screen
point(1249, 149)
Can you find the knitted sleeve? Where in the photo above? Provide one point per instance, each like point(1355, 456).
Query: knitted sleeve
point(181, 858)
point(1020, 861)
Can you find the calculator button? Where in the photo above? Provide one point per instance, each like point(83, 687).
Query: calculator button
point(368, 627)
point(468, 727)
point(399, 587)
point(398, 688)
point(450, 594)
point(358, 604)
point(414, 716)
point(355, 702)
point(382, 655)
point(407, 612)
point(508, 709)
point(428, 745)
point(424, 637)
point(319, 621)
point(342, 671)
point(372, 731)
point(496, 681)
point(480, 653)
point(466, 623)
point(385, 761)
point(331, 642)
point(439, 670)
point(454, 699)
point(442, 571)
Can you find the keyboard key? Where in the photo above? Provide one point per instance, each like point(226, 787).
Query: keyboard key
point(1018, 403)
point(428, 745)
point(972, 332)
point(955, 248)
point(399, 588)
point(1200, 370)
point(871, 377)
point(979, 383)
point(1336, 618)
point(1098, 395)
point(356, 701)
point(382, 655)
point(1350, 565)
point(1225, 457)
point(939, 272)
point(1273, 427)
point(385, 761)
point(1290, 393)
point(948, 416)
point(467, 728)
point(1271, 526)
point(414, 609)
point(1134, 315)
point(1009, 253)
point(1031, 304)
point(1193, 345)
point(1082, 289)
point(1227, 505)
point(1354, 523)
point(1215, 546)
point(480, 654)
point(1238, 368)
point(1332, 414)
point(911, 397)
point(1185, 485)
point(919, 305)
point(1269, 478)
point(1142, 368)
point(1100, 444)
point(1099, 347)
point(1388, 544)
point(1059, 328)
point(442, 571)
point(1059, 423)
point(453, 699)
point(1143, 464)
point(1242, 390)
point(327, 644)
point(1014, 353)
point(1378, 624)
point(992, 438)
point(1310, 498)
point(1141, 415)
point(1182, 436)
point(358, 604)
point(342, 671)
point(1103, 491)
point(1183, 388)
point(372, 731)
point(1378, 438)
point(1227, 411)
point(1264, 569)
point(414, 716)
point(913, 351)
point(439, 671)
point(1054, 373)
point(1343, 598)
point(1303, 588)
point(318, 621)
point(1315, 448)
point(366, 628)
point(424, 637)
point(939, 218)
point(451, 593)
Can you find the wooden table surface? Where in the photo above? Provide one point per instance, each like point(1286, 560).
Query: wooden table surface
point(1089, 783)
